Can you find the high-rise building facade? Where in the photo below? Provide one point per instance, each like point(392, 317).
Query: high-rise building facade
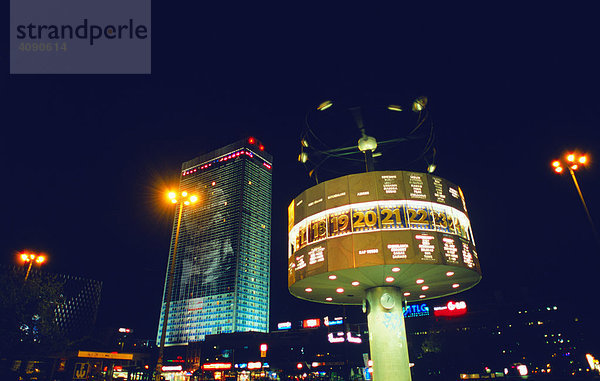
point(221, 279)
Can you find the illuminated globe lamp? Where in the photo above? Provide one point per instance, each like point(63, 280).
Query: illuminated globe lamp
point(381, 239)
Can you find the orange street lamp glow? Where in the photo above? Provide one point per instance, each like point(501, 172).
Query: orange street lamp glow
point(31, 257)
point(572, 166)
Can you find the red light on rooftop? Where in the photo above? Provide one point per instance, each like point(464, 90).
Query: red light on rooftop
point(261, 147)
point(251, 140)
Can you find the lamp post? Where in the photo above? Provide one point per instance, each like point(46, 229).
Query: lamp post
point(31, 257)
point(184, 199)
point(573, 162)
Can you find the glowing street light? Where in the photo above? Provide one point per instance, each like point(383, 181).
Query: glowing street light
point(574, 161)
point(183, 199)
point(31, 258)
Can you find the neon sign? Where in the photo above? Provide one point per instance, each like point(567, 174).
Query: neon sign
point(172, 368)
point(335, 321)
point(415, 310)
point(338, 337)
point(216, 365)
point(311, 323)
point(451, 309)
point(284, 325)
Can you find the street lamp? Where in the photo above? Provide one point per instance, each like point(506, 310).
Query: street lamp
point(183, 199)
point(31, 257)
point(574, 161)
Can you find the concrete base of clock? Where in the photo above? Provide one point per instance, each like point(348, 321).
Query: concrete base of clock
point(387, 334)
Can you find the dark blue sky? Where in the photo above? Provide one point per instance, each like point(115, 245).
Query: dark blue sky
point(84, 158)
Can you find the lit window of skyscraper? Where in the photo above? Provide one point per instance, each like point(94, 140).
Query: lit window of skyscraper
point(221, 277)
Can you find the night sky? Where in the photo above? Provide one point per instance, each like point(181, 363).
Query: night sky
point(85, 159)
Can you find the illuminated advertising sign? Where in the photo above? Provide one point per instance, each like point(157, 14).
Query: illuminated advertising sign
point(105, 355)
point(340, 337)
point(381, 218)
point(216, 366)
point(336, 337)
point(415, 310)
point(335, 321)
point(451, 309)
point(311, 323)
point(284, 325)
point(172, 368)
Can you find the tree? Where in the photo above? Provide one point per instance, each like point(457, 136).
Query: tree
point(28, 323)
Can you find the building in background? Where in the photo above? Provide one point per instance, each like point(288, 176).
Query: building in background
point(76, 316)
point(222, 267)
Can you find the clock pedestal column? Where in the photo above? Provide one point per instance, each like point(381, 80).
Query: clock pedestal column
point(387, 334)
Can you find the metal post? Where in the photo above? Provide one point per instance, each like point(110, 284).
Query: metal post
point(587, 212)
point(161, 349)
point(370, 165)
point(28, 269)
point(387, 334)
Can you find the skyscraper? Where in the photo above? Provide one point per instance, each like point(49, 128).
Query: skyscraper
point(222, 267)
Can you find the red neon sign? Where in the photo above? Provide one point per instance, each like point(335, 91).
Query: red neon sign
point(311, 323)
point(451, 309)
